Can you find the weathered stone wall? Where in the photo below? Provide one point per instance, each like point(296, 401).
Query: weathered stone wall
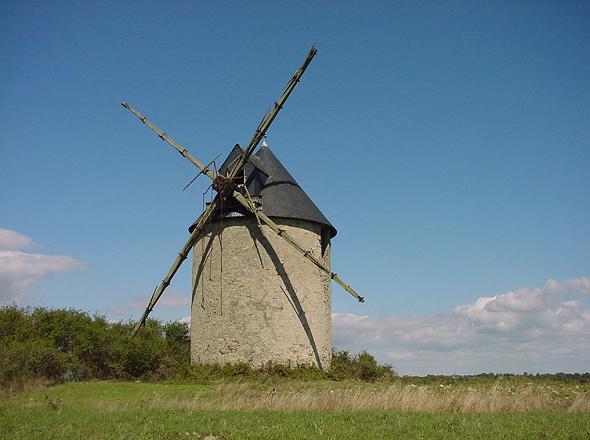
point(256, 299)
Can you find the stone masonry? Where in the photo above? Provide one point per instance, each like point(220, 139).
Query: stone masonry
point(256, 299)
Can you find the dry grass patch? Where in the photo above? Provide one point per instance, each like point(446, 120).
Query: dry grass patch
point(390, 398)
point(289, 395)
point(310, 396)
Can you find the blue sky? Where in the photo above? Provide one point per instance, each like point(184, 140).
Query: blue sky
point(448, 142)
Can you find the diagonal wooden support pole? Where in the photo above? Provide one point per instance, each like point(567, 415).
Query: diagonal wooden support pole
point(270, 116)
point(182, 256)
point(307, 254)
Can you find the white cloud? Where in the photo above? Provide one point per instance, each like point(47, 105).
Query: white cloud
point(527, 310)
point(439, 332)
point(169, 300)
point(542, 329)
point(19, 270)
point(174, 301)
point(580, 285)
point(12, 240)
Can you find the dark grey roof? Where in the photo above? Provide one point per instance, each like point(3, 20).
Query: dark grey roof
point(253, 163)
point(269, 182)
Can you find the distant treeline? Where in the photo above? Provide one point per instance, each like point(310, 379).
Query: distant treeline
point(70, 345)
point(442, 379)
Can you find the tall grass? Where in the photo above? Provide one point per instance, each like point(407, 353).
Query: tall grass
point(291, 395)
point(233, 396)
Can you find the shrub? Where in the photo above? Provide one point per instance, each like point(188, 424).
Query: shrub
point(362, 366)
point(13, 365)
point(70, 345)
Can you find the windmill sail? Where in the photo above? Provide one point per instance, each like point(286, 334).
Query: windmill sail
point(197, 228)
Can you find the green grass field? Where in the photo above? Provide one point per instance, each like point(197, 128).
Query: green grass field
point(288, 409)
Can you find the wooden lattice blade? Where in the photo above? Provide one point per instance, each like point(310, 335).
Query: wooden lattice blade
point(182, 256)
point(285, 236)
point(270, 116)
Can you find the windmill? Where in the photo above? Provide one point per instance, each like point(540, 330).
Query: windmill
point(254, 300)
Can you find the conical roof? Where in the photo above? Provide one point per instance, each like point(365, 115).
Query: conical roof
point(271, 185)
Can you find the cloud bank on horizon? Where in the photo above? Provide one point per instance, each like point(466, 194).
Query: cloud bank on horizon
point(19, 270)
point(543, 329)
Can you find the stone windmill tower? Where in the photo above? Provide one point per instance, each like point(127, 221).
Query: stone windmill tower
point(261, 267)
point(255, 299)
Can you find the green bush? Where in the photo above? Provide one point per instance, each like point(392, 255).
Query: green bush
point(362, 366)
point(14, 364)
point(58, 345)
point(71, 345)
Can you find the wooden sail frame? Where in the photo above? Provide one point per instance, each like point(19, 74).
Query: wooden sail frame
point(234, 192)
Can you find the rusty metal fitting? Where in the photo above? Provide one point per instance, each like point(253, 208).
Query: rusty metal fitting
point(225, 186)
